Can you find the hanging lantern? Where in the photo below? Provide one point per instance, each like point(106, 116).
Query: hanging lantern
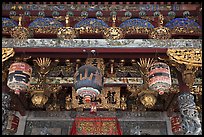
point(159, 77)
point(88, 82)
point(19, 77)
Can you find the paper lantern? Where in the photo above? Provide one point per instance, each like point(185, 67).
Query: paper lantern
point(88, 82)
point(159, 77)
point(19, 77)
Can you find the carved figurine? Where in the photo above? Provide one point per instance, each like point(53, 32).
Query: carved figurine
point(123, 104)
point(68, 103)
point(110, 97)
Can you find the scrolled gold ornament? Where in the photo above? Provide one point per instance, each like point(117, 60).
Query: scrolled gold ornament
point(7, 53)
point(67, 32)
point(148, 100)
point(187, 56)
point(113, 33)
point(160, 33)
point(39, 99)
point(20, 32)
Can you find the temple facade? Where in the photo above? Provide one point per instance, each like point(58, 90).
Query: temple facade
point(102, 68)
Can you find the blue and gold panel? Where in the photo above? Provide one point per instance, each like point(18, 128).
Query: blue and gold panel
point(45, 22)
point(91, 22)
point(182, 23)
point(7, 22)
point(136, 22)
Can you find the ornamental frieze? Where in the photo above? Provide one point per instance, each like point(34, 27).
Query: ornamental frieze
point(103, 43)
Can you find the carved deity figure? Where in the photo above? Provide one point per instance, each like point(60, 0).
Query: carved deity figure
point(68, 104)
point(123, 104)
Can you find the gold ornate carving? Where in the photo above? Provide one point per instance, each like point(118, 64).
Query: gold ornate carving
point(113, 32)
point(144, 64)
point(136, 30)
point(187, 61)
point(197, 90)
point(45, 30)
point(68, 103)
point(190, 56)
point(123, 104)
point(67, 32)
point(7, 53)
point(97, 62)
point(39, 99)
point(160, 32)
point(188, 75)
point(183, 30)
point(20, 32)
point(44, 65)
point(147, 96)
point(148, 100)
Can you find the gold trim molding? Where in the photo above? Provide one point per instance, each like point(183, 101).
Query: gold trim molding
point(7, 53)
point(187, 56)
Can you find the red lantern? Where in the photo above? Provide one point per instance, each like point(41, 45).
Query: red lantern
point(19, 76)
point(159, 77)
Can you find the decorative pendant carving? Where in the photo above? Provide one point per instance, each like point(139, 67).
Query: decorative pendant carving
point(191, 122)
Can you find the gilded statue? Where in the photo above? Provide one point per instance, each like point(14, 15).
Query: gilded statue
point(123, 104)
point(68, 103)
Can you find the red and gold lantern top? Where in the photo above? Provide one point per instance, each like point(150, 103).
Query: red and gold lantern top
point(19, 77)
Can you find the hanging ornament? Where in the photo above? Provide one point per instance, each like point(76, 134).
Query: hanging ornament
point(88, 82)
point(19, 77)
point(159, 77)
